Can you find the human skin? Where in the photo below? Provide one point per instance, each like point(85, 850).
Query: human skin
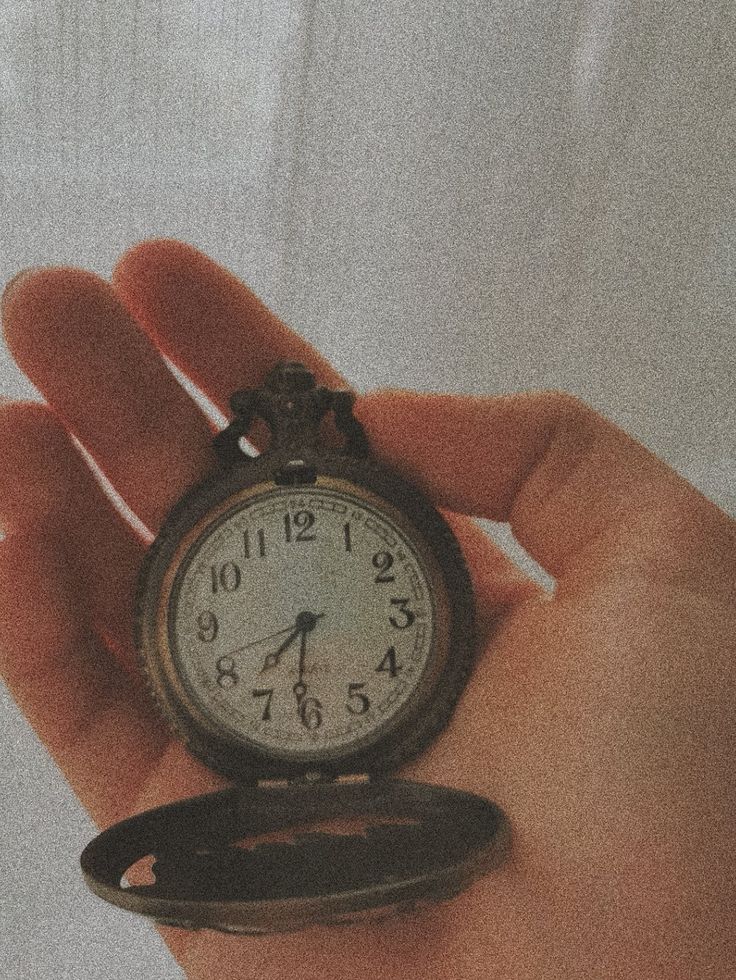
point(601, 717)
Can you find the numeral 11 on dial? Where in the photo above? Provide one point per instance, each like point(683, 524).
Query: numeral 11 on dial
point(248, 546)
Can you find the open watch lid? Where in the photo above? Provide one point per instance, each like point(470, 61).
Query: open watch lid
point(281, 857)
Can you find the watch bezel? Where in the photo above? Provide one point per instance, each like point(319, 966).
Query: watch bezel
point(425, 716)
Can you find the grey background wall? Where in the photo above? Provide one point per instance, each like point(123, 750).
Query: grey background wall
point(480, 197)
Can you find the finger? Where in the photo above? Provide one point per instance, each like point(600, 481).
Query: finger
point(82, 349)
point(568, 480)
point(58, 519)
point(77, 698)
point(176, 776)
point(498, 583)
point(46, 483)
point(207, 322)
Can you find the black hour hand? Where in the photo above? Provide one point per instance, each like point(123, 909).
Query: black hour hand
point(305, 623)
point(272, 660)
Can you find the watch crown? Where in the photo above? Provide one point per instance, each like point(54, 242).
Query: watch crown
point(289, 377)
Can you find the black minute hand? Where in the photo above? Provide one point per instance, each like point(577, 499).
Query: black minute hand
point(300, 688)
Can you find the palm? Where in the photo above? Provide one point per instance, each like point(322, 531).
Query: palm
point(546, 727)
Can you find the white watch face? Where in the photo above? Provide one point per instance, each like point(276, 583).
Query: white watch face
point(303, 621)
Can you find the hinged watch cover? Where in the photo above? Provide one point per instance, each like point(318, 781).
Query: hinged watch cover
point(322, 842)
point(418, 844)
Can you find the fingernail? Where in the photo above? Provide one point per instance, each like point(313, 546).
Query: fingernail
point(12, 284)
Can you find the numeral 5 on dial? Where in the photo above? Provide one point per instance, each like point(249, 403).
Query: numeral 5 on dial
point(358, 703)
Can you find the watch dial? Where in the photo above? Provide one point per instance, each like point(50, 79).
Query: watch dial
point(303, 620)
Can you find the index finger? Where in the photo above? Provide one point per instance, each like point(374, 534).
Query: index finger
point(211, 325)
point(572, 484)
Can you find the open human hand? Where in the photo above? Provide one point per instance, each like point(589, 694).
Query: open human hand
point(600, 717)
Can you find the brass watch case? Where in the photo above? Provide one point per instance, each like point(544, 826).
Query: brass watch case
point(451, 659)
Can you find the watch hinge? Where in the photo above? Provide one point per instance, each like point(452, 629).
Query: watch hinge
point(313, 778)
point(354, 777)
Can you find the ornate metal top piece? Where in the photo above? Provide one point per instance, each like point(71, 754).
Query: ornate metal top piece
point(294, 407)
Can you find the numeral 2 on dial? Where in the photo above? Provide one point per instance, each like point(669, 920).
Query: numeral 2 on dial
point(383, 560)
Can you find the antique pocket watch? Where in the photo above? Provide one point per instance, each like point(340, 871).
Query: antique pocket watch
point(305, 623)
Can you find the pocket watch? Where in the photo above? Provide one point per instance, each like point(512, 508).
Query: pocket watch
point(305, 624)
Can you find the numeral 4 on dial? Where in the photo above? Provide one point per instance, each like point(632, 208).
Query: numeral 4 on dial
point(388, 665)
